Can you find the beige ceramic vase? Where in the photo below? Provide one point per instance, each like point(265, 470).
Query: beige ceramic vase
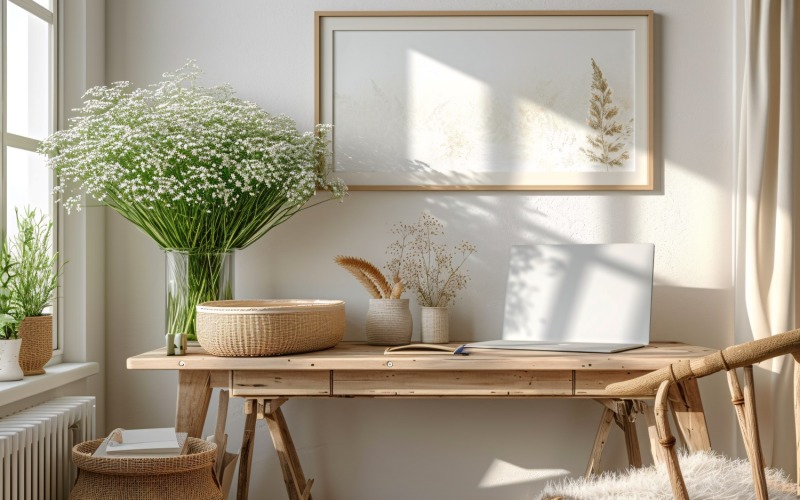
point(389, 322)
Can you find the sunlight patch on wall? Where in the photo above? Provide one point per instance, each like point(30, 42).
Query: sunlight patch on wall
point(697, 255)
point(446, 110)
point(502, 473)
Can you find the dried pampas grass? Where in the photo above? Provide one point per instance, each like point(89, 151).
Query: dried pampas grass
point(370, 277)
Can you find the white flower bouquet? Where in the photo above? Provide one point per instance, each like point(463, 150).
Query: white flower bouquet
point(195, 168)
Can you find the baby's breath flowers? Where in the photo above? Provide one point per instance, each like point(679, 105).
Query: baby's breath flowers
point(433, 271)
point(195, 168)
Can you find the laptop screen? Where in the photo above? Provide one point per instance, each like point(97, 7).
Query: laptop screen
point(580, 293)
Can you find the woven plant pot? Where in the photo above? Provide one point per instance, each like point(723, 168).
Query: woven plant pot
point(36, 333)
point(269, 327)
point(182, 476)
point(435, 325)
point(389, 322)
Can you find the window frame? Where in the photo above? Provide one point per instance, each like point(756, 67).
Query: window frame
point(7, 139)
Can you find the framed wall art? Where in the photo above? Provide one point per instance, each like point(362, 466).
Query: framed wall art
point(488, 100)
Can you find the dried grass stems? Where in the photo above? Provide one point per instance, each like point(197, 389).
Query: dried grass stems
point(431, 269)
point(371, 278)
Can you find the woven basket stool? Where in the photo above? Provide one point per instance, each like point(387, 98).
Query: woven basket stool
point(182, 476)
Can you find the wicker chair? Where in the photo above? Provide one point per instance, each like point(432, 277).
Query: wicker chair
point(742, 356)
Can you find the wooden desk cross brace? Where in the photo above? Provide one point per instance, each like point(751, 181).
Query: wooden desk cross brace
point(270, 410)
point(623, 412)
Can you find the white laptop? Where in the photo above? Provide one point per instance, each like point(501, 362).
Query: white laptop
point(579, 298)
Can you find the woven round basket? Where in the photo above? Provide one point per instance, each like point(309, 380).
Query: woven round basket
point(182, 476)
point(269, 327)
point(36, 333)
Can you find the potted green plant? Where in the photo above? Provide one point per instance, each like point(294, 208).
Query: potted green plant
point(10, 342)
point(31, 288)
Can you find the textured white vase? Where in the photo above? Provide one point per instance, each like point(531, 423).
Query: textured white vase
point(435, 325)
point(389, 322)
point(9, 360)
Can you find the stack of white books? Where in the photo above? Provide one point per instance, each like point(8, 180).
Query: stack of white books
point(143, 443)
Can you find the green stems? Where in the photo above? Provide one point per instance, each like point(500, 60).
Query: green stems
point(194, 278)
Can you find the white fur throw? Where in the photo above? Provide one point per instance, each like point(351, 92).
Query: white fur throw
point(708, 476)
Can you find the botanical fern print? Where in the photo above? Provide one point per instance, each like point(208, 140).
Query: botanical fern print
point(608, 146)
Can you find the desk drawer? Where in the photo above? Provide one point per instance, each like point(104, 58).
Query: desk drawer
point(594, 382)
point(281, 383)
point(452, 383)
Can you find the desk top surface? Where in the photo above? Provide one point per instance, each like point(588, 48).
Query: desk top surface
point(360, 356)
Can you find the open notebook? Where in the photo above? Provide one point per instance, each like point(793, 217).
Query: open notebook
point(581, 298)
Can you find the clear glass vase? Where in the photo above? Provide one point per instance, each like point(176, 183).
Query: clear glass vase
point(194, 278)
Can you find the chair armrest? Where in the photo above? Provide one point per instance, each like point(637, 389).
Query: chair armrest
point(730, 358)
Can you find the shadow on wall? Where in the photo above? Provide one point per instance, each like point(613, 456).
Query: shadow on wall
point(687, 315)
point(475, 450)
point(296, 260)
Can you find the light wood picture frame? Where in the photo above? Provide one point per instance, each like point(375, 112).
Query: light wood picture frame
point(496, 100)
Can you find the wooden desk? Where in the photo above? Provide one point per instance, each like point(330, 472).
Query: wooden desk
point(359, 370)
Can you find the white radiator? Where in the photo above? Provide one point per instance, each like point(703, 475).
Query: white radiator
point(36, 448)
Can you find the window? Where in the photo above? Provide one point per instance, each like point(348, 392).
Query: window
point(28, 108)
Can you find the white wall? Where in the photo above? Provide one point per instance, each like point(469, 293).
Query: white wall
point(82, 234)
point(471, 449)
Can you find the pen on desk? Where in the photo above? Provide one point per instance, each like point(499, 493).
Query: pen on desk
point(461, 350)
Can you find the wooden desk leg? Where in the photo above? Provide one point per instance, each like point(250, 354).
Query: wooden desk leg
point(246, 452)
point(600, 441)
point(194, 395)
point(620, 411)
point(287, 454)
point(652, 433)
point(689, 416)
point(624, 420)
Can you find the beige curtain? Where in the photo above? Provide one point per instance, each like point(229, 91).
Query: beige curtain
point(768, 204)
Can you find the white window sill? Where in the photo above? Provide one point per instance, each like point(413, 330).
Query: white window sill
point(56, 376)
